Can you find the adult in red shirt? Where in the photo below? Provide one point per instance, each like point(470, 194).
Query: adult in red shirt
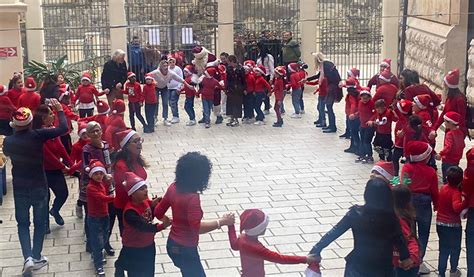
point(128, 159)
point(410, 87)
point(17, 89)
point(468, 192)
point(56, 161)
point(192, 177)
point(386, 90)
point(6, 110)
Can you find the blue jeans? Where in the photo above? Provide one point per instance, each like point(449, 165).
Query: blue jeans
point(399, 272)
point(422, 205)
point(174, 98)
point(207, 105)
point(186, 259)
point(295, 100)
point(165, 96)
point(249, 104)
point(331, 115)
point(189, 107)
point(321, 109)
point(366, 136)
point(470, 242)
point(98, 236)
point(24, 199)
point(449, 247)
point(301, 99)
point(354, 131)
point(259, 97)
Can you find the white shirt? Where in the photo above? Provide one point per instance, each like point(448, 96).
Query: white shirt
point(163, 80)
point(269, 64)
point(173, 84)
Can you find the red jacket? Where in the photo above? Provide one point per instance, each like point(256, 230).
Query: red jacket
point(250, 80)
point(351, 104)
point(134, 92)
point(423, 180)
point(375, 81)
point(149, 93)
point(400, 126)
point(15, 94)
point(119, 170)
point(6, 108)
point(135, 234)
point(187, 215)
point(208, 85)
point(30, 100)
point(54, 151)
point(412, 245)
point(189, 92)
point(387, 92)
point(453, 146)
point(85, 94)
point(261, 84)
point(253, 254)
point(383, 122)
point(455, 104)
point(468, 185)
point(366, 112)
point(114, 125)
point(278, 86)
point(97, 199)
point(450, 205)
point(295, 79)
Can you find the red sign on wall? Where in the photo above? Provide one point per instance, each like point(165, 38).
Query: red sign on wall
point(6, 52)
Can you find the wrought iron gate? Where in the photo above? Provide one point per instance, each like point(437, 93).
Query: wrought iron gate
point(351, 34)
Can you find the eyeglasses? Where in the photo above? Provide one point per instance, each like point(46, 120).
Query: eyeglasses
point(138, 141)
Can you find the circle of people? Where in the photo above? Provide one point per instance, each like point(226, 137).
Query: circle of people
point(391, 230)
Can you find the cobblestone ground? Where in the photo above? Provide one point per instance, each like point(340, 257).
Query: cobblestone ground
point(296, 174)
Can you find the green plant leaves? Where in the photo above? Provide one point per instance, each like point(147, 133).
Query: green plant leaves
point(39, 71)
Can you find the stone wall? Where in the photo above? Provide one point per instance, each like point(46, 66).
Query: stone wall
point(470, 75)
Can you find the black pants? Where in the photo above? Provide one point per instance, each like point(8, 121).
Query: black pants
point(119, 213)
point(353, 126)
point(81, 203)
point(249, 105)
point(57, 183)
point(135, 109)
point(150, 116)
point(449, 247)
point(138, 262)
point(396, 156)
point(86, 112)
point(67, 142)
point(383, 145)
point(112, 215)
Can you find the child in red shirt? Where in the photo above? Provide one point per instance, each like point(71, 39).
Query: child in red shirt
point(31, 99)
point(6, 110)
point(278, 86)
point(261, 88)
point(386, 91)
point(382, 120)
point(296, 92)
point(115, 123)
point(365, 111)
point(135, 100)
point(151, 102)
point(302, 76)
point(403, 111)
point(253, 223)
point(453, 143)
point(98, 212)
point(190, 93)
point(87, 95)
point(137, 256)
point(207, 88)
point(353, 121)
point(249, 93)
point(422, 108)
point(448, 221)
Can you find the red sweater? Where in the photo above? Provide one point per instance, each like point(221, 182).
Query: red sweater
point(412, 245)
point(250, 81)
point(351, 104)
point(15, 94)
point(455, 104)
point(468, 185)
point(208, 85)
point(400, 126)
point(30, 100)
point(253, 254)
point(189, 92)
point(120, 168)
point(295, 79)
point(54, 151)
point(187, 215)
point(261, 84)
point(85, 94)
point(97, 199)
point(453, 146)
point(139, 232)
point(387, 92)
point(366, 112)
point(6, 108)
point(383, 122)
point(134, 92)
point(149, 93)
point(423, 178)
point(450, 205)
point(278, 86)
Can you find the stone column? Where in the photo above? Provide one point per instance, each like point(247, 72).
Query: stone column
point(309, 29)
point(390, 30)
point(117, 17)
point(225, 31)
point(34, 38)
point(10, 60)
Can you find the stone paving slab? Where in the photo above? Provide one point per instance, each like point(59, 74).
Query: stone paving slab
point(296, 174)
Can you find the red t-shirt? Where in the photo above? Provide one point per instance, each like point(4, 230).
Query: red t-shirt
point(423, 179)
point(6, 108)
point(187, 215)
point(85, 94)
point(366, 112)
point(54, 151)
point(15, 94)
point(134, 92)
point(261, 84)
point(97, 199)
point(149, 93)
point(133, 237)
point(189, 92)
point(120, 168)
point(351, 104)
point(453, 146)
point(450, 205)
point(31, 100)
point(295, 79)
point(387, 92)
point(250, 80)
point(278, 87)
point(383, 122)
point(208, 85)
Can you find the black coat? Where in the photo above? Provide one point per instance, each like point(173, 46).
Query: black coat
point(49, 91)
point(113, 73)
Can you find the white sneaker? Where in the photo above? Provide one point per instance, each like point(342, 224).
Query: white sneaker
point(295, 115)
point(424, 269)
point(166, 122)
point(175, 120)
point(38, 264)
point(28, 266)
point(191, 123)
point(258, 122)
point(302, 112)
point(79, 212)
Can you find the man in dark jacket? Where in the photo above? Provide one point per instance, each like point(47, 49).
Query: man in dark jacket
point(114, 75)
point(136, 59)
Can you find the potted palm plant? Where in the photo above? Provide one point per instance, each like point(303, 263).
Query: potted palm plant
point(40, 70)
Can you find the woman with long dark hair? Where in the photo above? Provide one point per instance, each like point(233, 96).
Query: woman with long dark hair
point(376, 229)
point(49, 88)
point(16, 89)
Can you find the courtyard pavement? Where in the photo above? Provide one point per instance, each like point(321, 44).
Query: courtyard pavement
point(296, 174)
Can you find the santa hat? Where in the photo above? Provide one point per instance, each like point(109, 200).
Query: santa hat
point(95, 166)
point(253, 222)
point(261, 69)
point(385, 169)
point(418, 151)
point(453, 117)
point(221, 68)
point(86, 76)
point(3, 89)
point(293, 67)
point(81, 128)
point(102, 107)
point(30, 84)
point(353, 72)
point(170, 57)
point(124, 136)
point(422, 101)
point(280, 70)
point(386, 62)
point(365, 91)
point(210, 72)
point(351, 82)
point(404, 106)
point(249, 64)
point(132, 183)
point(118, 106)
point(21, 117)
point(130, 75)
point(188, 69)
point(149, 76)
point(452, 78)
point(386, 75)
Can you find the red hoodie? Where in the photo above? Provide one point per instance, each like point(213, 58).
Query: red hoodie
point(366, 112)
point(351, 104)
point(450, 205)
point(261, 84)
point(295, 79)
point(208, 85)
point(97, 199)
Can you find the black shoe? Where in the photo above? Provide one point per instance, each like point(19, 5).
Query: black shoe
point(235, 123)
point(345, 135)
point(201, 121)
point(229, 123)
point(219, 120)
point(48, 231)
point(109, 250)
point(278, 124)
point(100, 272)
point(317, 122)
point(57, 217)
point(88, 248)
point(326, 127)
point(349, 150)
point(329, 130)
point(321, 125)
